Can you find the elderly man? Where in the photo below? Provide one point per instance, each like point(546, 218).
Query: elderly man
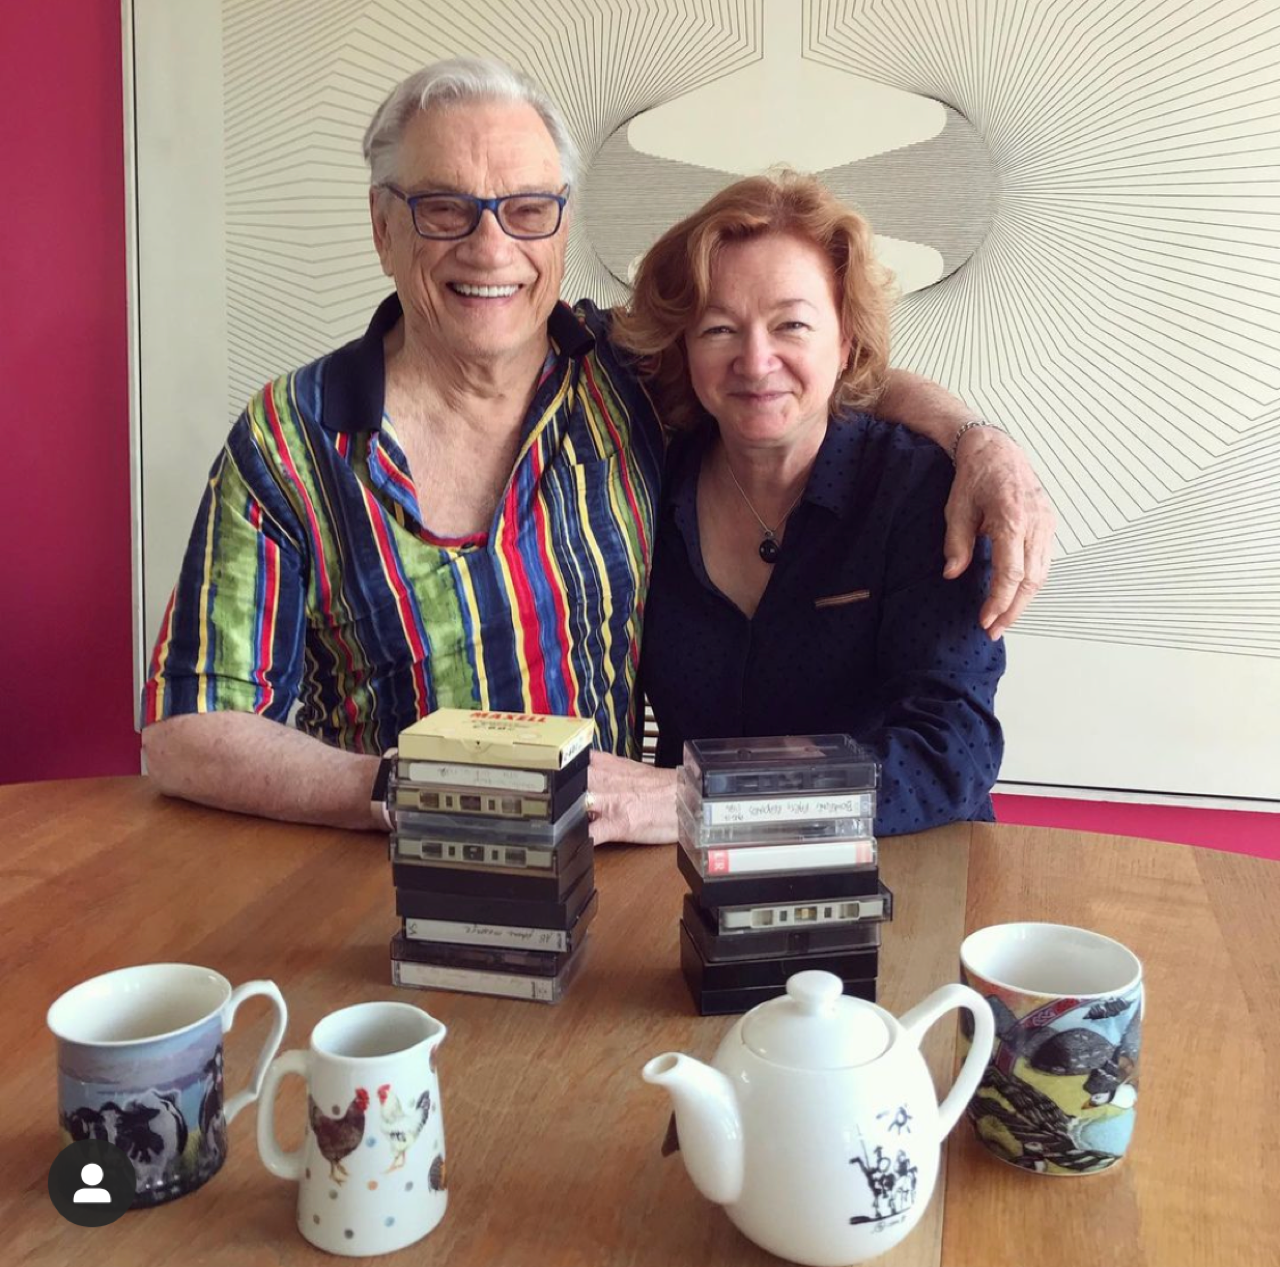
point(457, 509)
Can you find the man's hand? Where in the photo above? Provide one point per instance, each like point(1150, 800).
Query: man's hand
point(631, 802)
point(997, 494)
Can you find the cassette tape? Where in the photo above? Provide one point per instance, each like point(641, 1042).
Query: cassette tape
point(780, 943)
point(492, 778)
point(477, 829)
point(726, 1002)
point(547, 886)
point(507, 985)
point(495, 856)
point(715, 891)
point(698, 835)
point(763, 812)
point(807, 856)
point(781, 765)
point(748, 921)
point(533, 963)
point(464, 908)
point(502, 936)
point(750, 974)
point(526, 741)
point(490, 802)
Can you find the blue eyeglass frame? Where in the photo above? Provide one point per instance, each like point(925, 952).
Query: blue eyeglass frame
point(481, 205)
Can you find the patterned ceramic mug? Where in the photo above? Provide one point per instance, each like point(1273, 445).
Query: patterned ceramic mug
point(140, 1065)
point(371, 1169)
point(1059, 1094)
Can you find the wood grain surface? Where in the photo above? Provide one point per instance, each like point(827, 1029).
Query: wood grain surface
point(1198, 1185)
point(553, 1139)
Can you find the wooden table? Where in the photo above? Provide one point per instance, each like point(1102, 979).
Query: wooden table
point(553, 1139)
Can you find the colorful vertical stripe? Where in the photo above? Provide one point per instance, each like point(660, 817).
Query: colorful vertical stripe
point(313, 577)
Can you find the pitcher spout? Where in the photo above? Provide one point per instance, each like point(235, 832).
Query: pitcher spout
point(708, 1122)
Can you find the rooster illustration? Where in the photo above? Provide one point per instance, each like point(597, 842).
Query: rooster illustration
point(401, 1128)
point(339, 1137)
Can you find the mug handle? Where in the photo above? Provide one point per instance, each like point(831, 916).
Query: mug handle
point(276, 1160)
point(916, 1021)
point(269, 1048)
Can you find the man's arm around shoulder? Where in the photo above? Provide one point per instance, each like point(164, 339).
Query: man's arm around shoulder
point(996, 494)
point(252, 765)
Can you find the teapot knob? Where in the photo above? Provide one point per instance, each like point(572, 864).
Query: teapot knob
point(814, 992)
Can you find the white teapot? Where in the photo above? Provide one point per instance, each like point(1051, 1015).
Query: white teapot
point(818, 1128)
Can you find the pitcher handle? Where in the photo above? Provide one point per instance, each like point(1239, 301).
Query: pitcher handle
point(269, 1048)
point(286, 1165)
point(918, 1020)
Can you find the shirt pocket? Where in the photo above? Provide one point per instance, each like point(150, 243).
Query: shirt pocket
point(587, 499)
point(351, 640)
point(597, 541)
point(845, 619)
point(844, 599)
point(399, 617)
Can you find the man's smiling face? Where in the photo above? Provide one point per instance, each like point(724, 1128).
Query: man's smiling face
point(487, 296)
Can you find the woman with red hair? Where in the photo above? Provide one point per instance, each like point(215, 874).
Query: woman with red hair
point(797, 581)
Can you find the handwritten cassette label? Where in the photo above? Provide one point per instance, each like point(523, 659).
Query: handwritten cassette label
point(786, 809)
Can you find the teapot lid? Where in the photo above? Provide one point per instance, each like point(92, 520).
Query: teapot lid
point(816, 1026)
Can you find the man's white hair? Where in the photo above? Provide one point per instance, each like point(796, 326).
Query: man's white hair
point(455, 82)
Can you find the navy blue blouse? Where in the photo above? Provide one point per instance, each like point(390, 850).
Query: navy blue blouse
point(856, 632)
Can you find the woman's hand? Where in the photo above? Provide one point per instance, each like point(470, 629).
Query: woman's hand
point(997, 494)
point(630, 802)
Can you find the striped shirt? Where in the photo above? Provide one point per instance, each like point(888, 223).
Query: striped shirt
point(311, 578)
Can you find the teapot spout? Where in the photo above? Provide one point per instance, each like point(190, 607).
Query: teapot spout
point(708, 1123)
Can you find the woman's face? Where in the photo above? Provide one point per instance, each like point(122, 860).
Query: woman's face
point(765, 355)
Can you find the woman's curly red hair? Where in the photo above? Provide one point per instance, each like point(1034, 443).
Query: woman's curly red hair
point(674, 279)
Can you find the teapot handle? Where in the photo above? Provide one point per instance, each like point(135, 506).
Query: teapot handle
point(918, 1020)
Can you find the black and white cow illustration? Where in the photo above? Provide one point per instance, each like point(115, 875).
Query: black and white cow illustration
point(149, 1128)
point(84, 1124)
point(213, 1126)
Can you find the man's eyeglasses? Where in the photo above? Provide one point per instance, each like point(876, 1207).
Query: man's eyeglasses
point(448, 216)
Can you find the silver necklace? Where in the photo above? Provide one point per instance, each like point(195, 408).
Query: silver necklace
point(769, 547)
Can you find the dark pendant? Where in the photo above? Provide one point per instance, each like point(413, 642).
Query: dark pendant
point(769, 549)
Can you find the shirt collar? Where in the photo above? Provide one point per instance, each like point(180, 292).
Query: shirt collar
point(832, 482)
point(680, 490)
point(355, 379)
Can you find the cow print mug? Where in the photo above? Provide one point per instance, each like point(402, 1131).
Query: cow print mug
point(140, 1065)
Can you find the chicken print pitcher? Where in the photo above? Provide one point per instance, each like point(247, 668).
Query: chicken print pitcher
point(371, 1170)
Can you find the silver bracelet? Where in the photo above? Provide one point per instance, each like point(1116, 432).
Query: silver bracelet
point(973, 422)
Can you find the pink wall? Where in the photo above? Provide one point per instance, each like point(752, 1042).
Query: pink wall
point(65, 634)
point(1236, 831)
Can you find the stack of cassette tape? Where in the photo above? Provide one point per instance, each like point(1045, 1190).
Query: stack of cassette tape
point(776, 842)
point(491, 854)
